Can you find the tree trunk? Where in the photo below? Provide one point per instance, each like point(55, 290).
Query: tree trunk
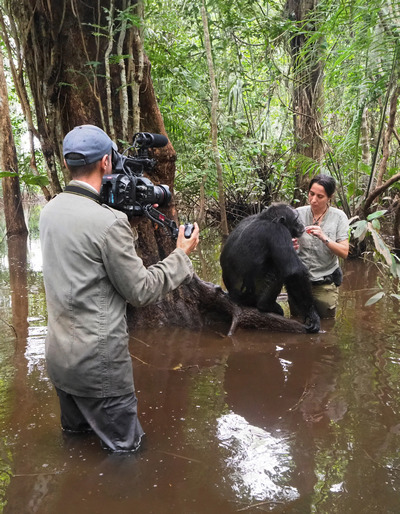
point(307, 89)
point(13, 211)
point(201, 216)
point(396, 230)
point(20, 88)
point(365, 138)
point(214, 123)
point(387, 136)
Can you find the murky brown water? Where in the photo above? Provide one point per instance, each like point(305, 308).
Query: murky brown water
point(262, 422)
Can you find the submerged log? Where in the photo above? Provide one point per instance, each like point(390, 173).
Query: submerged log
point(199, 303)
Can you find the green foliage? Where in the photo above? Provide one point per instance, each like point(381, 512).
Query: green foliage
point(250, 40)
point(30, 180)
point(19, 129)
point(4, 174)
point(358, 71)
point(33, 216)
point(371, 227)
point(250, 113)
point(356, 42)
point(27, 178)
point(34, 180)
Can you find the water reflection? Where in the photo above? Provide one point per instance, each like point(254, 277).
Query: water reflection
point(17, 262)
point(259, 422)
point(284, 392)
point(13, 340)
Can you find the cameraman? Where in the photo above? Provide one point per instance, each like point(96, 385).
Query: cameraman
point(91, 270)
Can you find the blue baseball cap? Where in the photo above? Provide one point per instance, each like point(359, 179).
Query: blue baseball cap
point(90, 142)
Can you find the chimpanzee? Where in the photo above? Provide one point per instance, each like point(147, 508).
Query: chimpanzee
point(258, 258)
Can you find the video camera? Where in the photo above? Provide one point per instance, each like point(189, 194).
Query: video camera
point(127, 190)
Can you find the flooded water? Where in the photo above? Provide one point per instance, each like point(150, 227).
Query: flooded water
point(261, 422)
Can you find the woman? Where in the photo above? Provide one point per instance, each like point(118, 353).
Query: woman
point(324, 241)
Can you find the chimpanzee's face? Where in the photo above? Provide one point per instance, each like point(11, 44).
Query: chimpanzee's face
point(285, 214)
point(295, 226)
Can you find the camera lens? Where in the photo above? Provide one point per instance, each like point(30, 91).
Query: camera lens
point(162, 195)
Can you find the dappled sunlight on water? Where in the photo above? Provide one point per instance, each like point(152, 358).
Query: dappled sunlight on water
point(34, 353)
point(257, 462)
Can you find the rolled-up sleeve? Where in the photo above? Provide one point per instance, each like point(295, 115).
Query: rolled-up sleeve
point(139, 285)
point(342, 227)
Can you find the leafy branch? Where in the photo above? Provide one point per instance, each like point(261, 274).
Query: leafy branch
point(371, 227)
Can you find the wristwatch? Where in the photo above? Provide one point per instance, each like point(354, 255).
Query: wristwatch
point(327, 241)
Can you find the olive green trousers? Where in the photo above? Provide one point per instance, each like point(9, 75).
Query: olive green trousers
point(325, 299)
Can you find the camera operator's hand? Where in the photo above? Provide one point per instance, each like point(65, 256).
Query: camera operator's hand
point(188, 245)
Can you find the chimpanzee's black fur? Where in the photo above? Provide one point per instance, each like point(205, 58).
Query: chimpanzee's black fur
point(258, 258)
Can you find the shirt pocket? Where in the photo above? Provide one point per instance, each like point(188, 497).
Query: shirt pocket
point(306, 241)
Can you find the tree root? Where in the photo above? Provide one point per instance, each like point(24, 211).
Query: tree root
point(213, 298)
point(199, 303)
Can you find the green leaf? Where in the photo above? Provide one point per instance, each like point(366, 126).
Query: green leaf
point(35, 180)
point(375, 298)
point(397, 296)
point(377, 214)
point(93, 63)
point(360, 229)
point(4, 174)
point(395, 268)
point(376, 224)
point(381, 246)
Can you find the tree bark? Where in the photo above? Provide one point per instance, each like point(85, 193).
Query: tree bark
point(307, 68)
point(40, 43)
point(65, 51)
point(396, 229)
point(19, 83)
point(377, 192)
point(13, 211)
point(365, 138)
point(387, 136)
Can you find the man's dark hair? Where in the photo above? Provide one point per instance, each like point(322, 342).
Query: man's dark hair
point(79, 171)
point(327, 182)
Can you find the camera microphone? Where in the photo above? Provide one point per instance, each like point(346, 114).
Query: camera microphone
point(149, 140)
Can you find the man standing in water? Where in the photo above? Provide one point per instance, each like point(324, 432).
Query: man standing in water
point(91, 270)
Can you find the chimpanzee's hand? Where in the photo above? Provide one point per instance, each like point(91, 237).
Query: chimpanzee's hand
point(312, 321)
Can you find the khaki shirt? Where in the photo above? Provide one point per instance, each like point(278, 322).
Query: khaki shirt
point(91, 270)
point(313, 252)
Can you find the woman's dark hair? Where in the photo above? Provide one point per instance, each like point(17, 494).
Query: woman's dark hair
point(327, 182)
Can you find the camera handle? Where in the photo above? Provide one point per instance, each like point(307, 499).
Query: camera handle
point(160, 218)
